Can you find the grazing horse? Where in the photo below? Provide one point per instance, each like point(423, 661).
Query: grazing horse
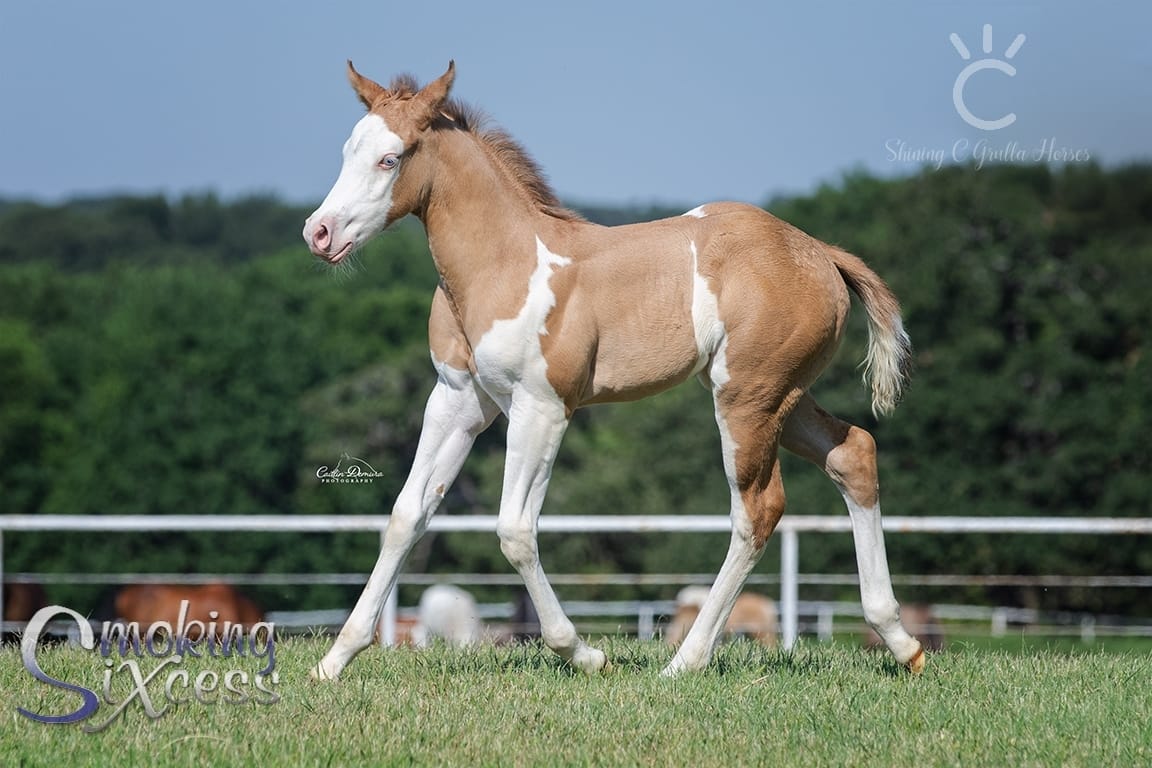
point(753, 616)
point(539, 312)
point(214, 605)
point(21, 601)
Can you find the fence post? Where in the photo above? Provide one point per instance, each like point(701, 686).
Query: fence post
point(646, 622)
point(386, 624)
point(1, 577)
point(825, 622)
point(789, 557)
point(387, 627)
point(999, 622)
point(1088, 629)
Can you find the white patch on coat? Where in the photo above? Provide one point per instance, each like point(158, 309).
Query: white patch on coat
point(707, 326)
point(712, 358)
point(696, 213)
point(718, 373)
point(509, 353)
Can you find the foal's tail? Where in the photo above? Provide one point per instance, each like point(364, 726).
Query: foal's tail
point(889, 349)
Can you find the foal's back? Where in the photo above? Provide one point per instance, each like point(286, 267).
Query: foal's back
point(644, 306)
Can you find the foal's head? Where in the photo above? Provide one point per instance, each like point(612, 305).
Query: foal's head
point(373, 189)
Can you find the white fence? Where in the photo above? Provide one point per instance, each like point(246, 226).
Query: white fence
point(787, 532)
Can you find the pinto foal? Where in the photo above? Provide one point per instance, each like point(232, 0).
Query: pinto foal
point(539, 312)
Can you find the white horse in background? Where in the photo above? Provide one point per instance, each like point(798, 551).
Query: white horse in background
point(753, 616)
point(448, 613)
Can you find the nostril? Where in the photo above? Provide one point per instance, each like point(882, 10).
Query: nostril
point(322, 237)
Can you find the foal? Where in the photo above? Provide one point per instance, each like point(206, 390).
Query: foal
point(539, 312)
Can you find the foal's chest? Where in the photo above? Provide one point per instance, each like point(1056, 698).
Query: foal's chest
point(509, 353)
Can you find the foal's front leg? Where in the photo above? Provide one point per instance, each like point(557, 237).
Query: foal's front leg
point(536, 426)
point(457, 411)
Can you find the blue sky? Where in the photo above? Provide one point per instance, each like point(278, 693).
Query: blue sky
point(668, 102)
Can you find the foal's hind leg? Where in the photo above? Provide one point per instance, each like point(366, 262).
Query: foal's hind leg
point(848, 455)
point(749, 432)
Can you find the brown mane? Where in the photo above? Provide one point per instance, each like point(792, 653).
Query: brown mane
point(507, 153)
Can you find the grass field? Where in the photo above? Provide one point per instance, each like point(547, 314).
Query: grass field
point(820, 705)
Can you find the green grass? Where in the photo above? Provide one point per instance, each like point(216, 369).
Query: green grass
point(828, 705)
point(1020, 642)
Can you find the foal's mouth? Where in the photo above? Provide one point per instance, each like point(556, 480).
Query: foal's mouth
point(338, 256)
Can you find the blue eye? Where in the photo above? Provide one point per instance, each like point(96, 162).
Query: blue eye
point(389, 161)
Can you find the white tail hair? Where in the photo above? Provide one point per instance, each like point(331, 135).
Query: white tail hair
point(889, 348)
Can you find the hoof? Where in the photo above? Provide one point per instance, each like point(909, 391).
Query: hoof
point(591, 661)
point(683, 664)
point(917, 663)
point(319, 673)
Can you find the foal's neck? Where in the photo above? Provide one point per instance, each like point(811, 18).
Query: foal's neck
point(482, 229)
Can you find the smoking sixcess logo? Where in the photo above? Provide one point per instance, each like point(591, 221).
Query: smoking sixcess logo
point(170, 646)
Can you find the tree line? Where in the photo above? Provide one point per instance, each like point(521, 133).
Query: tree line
point(188, 356)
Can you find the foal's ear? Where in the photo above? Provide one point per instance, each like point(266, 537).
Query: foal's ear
point(368, 90)
point(428, 103)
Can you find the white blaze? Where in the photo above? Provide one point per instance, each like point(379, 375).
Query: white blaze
point(361, 198)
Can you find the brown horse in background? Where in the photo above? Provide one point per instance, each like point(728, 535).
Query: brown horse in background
point(921, 620)
point(215, 602)
point(753, 616)
point(22, 600)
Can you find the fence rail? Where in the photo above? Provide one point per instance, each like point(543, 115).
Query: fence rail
point(788, 532)
point(572, 523)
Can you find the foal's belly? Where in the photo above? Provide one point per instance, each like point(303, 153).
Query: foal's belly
point(652, 360)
